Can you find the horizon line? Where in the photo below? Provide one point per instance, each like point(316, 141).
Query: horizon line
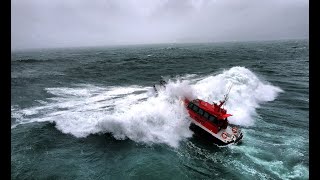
point(160, 43)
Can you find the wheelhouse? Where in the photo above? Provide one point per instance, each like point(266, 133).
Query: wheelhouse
point(203, 115)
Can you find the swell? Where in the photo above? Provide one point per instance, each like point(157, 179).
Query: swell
point(133, 112)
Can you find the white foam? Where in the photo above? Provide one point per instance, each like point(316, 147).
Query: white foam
point(299, 172)
point(130, 112)
point(246, 94)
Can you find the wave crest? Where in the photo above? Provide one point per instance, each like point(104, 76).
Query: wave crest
point(130, 112)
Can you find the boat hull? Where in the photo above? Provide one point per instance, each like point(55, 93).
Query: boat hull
point(214, 138)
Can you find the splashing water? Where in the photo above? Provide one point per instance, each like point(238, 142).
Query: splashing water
point(245, 96)
point(130, 112)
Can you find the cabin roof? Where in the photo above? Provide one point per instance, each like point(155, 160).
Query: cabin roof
point(210, 108)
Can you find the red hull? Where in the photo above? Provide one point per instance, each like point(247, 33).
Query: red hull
point(213, 120)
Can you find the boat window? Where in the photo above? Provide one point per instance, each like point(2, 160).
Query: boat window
point(206, 115)
point(215, 121)
point(200, 112)
point(195, 108)
point(190, 105)
point(212, 119)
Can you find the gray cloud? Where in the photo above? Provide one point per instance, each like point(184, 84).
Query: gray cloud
point(64, 23)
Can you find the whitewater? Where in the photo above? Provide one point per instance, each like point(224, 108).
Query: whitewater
point(134, 112)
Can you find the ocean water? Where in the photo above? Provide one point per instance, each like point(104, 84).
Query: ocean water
point(90, 113)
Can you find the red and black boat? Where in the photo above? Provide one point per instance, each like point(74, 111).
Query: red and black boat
point(211, 121)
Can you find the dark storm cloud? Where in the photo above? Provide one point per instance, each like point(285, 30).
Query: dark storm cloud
point(63, 23)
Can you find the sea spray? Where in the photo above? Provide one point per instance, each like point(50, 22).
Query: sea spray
point(130, 112)
point(247, 92)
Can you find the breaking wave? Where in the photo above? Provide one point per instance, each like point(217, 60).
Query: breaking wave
point(133, 112)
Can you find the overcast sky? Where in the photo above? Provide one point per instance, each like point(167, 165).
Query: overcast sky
point(69, 23)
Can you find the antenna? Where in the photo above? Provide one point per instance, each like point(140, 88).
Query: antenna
point(226, 96)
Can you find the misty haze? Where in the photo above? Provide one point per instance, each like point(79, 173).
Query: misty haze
point(60, 23)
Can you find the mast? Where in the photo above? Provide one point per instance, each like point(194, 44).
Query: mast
point(226, 96)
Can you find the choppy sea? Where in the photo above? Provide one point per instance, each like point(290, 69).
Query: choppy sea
point(90, 113)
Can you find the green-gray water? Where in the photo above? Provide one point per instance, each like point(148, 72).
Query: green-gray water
point(88, 113)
